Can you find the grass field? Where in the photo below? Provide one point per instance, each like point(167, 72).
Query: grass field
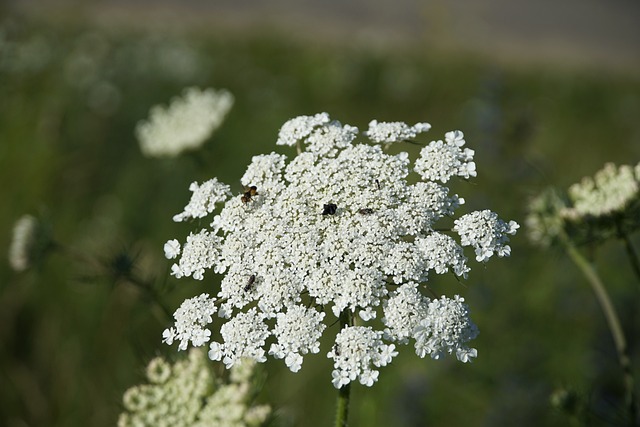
point(73, 336)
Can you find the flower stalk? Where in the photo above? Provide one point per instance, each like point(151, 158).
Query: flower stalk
point(613, 323)
point(632, 254)
point(342, 412)
point(344, 392)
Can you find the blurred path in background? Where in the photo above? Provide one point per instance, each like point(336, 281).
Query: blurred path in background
point(593, 33)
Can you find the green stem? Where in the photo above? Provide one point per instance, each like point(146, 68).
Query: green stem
point(612, 321)
point(633, 255)
point(342, 414)
point(344, 394)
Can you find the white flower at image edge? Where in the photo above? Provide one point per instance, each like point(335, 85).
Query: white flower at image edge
point(342, 227)
point(22, 242)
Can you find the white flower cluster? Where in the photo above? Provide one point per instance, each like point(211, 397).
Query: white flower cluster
point(244, 336)
point(543, 222)
point(341, 227)
point(200, 252)
point(22, 242)
point(610, 190)
point(598, 208)
point(297, 332)
point(439, 326)
point(486, 233)
point(439, 160)
point(191, 318)
point(296, 129)
point(204, 199)
point(445, 329)
point(186, 124)
point(186, 394)
point(357, 351)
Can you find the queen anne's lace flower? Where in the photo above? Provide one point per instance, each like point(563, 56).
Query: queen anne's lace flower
point(595, 209)
point(185, 125)
point(187, 394)
point(610, 190)
point(340, 227)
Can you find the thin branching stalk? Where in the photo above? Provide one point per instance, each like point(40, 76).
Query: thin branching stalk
point(149, 290)
point(632, 254)
point(98, 265)
point(344, 393)
point(614, 325)
point(77, 255)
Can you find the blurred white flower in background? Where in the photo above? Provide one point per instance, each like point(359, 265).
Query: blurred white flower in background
point(595, 209)
point(609, 191)
point(185, 124)
point(22, 243)
point(340, 229)
point(188, 394)
point(31, 241)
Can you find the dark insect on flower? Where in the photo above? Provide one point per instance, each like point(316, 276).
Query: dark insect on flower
point(336, 349)
point(250, 283)
point(329, 209)
point(378, 184)
point(249, 192)
point(365, 211)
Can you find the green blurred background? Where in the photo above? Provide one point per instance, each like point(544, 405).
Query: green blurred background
point(74, 82)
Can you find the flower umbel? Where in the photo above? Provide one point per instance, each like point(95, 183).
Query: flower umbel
point(191, 318)
point(595, 209)
point(185, 125)
point(187, 394)
point(340, 227)
point(446, 329)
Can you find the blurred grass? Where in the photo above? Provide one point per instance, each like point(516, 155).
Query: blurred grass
point(72, 341)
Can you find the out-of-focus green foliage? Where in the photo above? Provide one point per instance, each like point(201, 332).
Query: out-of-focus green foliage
point(72, 338)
